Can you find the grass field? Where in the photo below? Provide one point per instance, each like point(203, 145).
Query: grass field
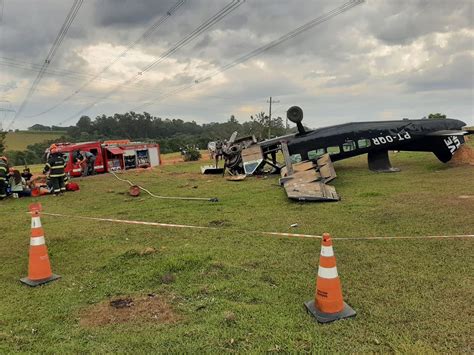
point(223, 290)
point(20, 140)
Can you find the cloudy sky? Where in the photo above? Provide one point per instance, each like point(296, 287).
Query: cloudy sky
point(381, 60)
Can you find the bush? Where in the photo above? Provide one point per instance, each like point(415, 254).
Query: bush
point(191, 153)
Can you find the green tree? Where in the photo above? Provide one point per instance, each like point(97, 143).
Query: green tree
point(84, 124)
point(436, 116)
point(264, 127)
point(39, 127)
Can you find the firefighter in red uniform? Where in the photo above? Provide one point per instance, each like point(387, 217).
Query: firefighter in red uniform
point(3, 177)
point(55, 166)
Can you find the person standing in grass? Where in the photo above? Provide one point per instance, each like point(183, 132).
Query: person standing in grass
point(55, 167)
point(3, 177)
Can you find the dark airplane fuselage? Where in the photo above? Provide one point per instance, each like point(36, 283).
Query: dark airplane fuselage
point(352, 139)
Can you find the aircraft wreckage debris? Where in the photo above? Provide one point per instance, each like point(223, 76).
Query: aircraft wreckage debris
point(309, 154)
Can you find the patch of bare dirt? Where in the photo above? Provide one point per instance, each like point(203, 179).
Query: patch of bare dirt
point(150, 308)
point(463, 156)
point(171, 161)
point(178, 160)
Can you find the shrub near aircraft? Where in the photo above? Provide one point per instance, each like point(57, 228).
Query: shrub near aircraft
point(315, 150)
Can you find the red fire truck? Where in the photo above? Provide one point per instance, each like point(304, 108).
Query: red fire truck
point(111, 155)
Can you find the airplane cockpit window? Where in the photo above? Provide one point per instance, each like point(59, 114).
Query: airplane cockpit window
point(334, 150)
point(314, 154)
point(363, 143)
point(348, 146)
point(296, 158)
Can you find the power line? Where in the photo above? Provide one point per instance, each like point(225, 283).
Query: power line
point(323, 18)
point(234, 4)
point(52, 52)
point(199, 30)
point(150, 30)
point(21, 65)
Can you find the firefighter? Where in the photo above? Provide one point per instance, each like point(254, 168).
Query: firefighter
point(55, 167)
point(3, 177)
point(86, 160)
point(90, 162)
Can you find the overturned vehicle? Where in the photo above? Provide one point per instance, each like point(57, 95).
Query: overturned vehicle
point(308, 154)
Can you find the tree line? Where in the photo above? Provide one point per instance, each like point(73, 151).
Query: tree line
point(170, 134)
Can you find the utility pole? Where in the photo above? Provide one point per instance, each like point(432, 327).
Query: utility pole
point(270, 116)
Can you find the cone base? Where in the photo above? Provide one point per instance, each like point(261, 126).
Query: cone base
point(329, 317)
point(34, 283)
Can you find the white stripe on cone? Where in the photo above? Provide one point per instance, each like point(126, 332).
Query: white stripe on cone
point(327, 272)
point(326, 251)
point(35, 222)
point(35, 241)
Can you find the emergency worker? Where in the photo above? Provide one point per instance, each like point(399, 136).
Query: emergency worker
point(3, 176)
point(55, 167)
point(90, 161)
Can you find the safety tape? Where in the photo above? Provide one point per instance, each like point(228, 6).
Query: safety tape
point(281, 234)
point(170, 225)
point(409, 237)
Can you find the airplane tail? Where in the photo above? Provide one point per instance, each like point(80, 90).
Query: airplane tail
point(444, 146)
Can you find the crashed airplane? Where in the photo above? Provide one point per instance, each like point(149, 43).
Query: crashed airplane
point(309, 154)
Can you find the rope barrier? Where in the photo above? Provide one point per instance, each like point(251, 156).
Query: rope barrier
point(282, 234)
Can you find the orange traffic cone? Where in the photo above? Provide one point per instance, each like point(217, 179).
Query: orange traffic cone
point(39, 268)
point(328, 304)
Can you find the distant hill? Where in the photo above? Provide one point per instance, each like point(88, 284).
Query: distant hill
point(21, 139)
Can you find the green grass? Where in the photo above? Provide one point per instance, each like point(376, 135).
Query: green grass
point(20, 140)
point(410, 295)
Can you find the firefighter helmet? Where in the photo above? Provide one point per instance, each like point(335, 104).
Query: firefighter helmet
point(53, 148)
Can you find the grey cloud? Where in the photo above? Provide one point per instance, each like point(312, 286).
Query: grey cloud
point(400, 22)
point(125, 13)
point(9, 86)
point(458, 74)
